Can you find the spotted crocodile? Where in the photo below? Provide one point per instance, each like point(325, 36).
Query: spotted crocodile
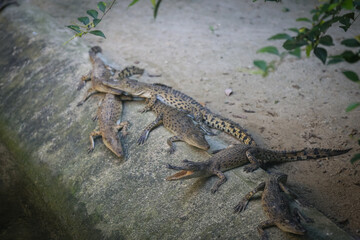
point(179, 123)
point(238, 155)
point(101, 72)
point(181, 101)
point(108, 114)
point(276, 206)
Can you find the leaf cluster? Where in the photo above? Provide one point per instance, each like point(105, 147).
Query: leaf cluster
point(313, 38)
point(88, 24)
point(154, 3)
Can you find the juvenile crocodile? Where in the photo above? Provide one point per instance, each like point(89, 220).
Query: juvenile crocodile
point(238, 155)
point(276, 206)
point(108, 114)
point(179, 123)
point(101, 72)
point(183, 102)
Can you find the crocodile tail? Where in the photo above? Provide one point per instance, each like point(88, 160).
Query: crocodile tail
point(226, 125)
point(305, 154)
point(130, 71)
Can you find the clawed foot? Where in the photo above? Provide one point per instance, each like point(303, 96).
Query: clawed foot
point(240, 207)
point(250, 168)
point(171, 150)
point(214, 189)
point(90, 150)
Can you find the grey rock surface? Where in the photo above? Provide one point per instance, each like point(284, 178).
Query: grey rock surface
point(88, 195)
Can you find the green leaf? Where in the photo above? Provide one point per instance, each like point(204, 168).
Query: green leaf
point(74, 28)
point(96, 21)
point(294, 30)
point(84, 20)
point(326, 40)
point(347, 4)
point(351, 75)
point(349, 56)
point(303, 20)
point(153, 2)
point(293, 43)
point(280, 36)
point(133, 2)
point(261, 64)
point(352, 106)
point(101, 6)
point(308, 50)
point(332, 6)
point(156, 9)
point(296, 52)
point(98, 33)
point(335, 60)
point(355, 158)
point(321, 53)
point(92, 13)
point(351, 42)
point(268, 49)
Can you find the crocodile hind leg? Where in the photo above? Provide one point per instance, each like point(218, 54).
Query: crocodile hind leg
point(262, 225)
point(93, 134)
point(147, 130)
point(220, 182)
point(244, 202)
point(254, 162)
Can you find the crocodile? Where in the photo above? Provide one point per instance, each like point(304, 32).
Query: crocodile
point(179, 123)
point(238, 155)
point(108, 115)
point(181, 101)
point(101, 72)
point(276, 206)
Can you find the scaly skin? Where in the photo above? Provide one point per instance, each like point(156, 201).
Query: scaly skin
point(276, 206)
point(108, 114)
point(177, 122)
point(183, 102)
point(101, 72)
point(238, 155)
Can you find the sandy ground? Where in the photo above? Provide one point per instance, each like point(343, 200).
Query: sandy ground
point(300, 105)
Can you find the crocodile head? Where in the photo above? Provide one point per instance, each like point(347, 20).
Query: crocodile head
point(189, 170)
point(130, 86)
point(112, 143)
point(197, 140)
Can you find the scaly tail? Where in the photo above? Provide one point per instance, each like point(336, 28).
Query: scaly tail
point(226, 125)
point(259, 157)
point(307, 153)
point(130, 71)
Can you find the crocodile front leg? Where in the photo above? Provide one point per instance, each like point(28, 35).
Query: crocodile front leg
point(147, 130)
point(89, 92)
point(262, 225)
point(93, 134)
point(84, 79)
point(244, 202)
point(149, 104)
point(171, 144)
point(123, 126)
point(219, 182)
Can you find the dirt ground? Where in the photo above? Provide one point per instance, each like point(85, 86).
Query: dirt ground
point(203, 47)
